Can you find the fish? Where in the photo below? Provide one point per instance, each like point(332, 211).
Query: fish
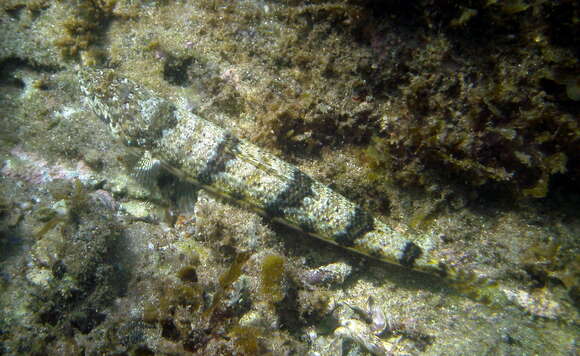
point(201, 152)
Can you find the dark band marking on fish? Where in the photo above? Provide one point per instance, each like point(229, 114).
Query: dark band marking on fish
point(298, 188)
point(216, 164)
point(360, 223)
point(410, 254)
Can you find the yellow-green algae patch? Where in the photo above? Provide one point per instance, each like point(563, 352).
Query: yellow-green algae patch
point(272, 275)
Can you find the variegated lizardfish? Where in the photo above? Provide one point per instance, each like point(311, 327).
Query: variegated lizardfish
point(200, 152)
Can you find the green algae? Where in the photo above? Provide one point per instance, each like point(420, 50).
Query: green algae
point(246, 339)
point(51, 224)
point(82, 29)
point(553, 264)
point(225, 282)
point(271, 278)
point(74, 197)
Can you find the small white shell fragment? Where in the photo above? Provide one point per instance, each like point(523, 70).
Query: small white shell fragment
point(360, 333)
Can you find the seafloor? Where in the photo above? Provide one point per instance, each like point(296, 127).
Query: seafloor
point(456, 119)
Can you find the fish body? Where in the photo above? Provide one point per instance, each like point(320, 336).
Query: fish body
point(199, 151)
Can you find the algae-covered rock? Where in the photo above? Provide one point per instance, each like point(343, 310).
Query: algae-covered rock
point(441, 120)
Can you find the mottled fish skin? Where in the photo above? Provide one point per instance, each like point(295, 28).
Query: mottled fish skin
point(200, 152)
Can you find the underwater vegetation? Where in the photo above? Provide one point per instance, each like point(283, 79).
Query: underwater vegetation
point(83, 30)
point(190, 323)
point(497, 112)
point(72, 275)
point(480, 105)
point(74, 199)
point(272, 275)
point(419, 111)
point(552, 263)
point(483, 116)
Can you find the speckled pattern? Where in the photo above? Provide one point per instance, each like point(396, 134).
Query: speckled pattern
point(201, 152)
